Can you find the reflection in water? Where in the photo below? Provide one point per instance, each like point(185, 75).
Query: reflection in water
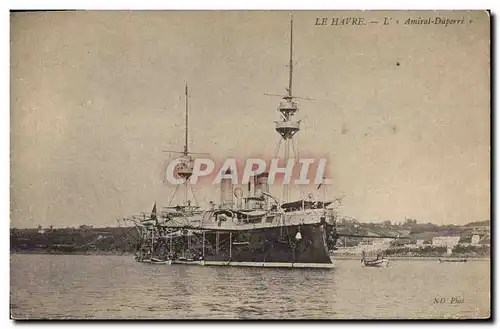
point(116, 287)
point(181, 283)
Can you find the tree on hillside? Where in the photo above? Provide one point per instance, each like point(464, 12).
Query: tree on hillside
point(410, 221)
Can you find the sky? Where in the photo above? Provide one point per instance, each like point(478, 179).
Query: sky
point(401, 112)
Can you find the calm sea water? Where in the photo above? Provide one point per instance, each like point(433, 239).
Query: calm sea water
point(116, 287)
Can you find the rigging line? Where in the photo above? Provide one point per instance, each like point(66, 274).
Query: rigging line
point(173, 195)
point(194, 196)
point(295, 149)
point(287, 232)
point(290, 64)
point(207, 242)
point(273, 244)
point(221, 242)
point(187, 118)
point(287, 228)
point(277, 148)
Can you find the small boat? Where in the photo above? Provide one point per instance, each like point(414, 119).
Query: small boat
point(157, 261)
point(376, 263)
point(189, 260)
point(454, 260)
point(153, 260)
point(379, 262)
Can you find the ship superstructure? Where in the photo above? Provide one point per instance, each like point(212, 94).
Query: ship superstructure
point(255, 229)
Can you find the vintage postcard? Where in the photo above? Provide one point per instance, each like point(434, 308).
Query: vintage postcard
point(250, 165)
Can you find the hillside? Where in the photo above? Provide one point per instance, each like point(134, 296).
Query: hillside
point(69, 240)
point(86, 239)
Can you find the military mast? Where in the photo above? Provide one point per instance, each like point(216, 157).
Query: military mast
point(186, 171)
point(185, 168)
point(287, 127)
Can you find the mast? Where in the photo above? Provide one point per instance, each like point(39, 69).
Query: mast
point(290, 64)
point(185, 168)
point(287, 127)
point(186, 146)
point(187, 120)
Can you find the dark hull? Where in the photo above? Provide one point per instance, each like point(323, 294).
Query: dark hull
point(263, 247)
point(271, 245)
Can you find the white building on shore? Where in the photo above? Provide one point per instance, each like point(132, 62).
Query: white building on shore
point(446, 241)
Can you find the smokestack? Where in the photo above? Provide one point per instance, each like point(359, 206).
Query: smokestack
point(261, 186)
point(226, 191)
point(238, 194)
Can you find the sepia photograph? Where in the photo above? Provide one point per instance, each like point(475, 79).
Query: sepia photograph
point(250, 164)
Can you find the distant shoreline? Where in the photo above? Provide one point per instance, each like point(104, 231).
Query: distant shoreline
point(42, 252)
point(433, 258)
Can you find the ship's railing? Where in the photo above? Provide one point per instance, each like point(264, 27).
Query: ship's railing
point(288, 125)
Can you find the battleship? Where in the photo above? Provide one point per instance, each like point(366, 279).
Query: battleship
point(245, 229)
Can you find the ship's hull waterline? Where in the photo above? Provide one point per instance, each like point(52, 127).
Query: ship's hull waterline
point(256, 264)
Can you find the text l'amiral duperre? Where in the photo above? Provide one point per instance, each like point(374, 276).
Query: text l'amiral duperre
point(363, 21)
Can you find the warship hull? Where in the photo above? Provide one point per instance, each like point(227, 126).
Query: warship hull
point(297, 246)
